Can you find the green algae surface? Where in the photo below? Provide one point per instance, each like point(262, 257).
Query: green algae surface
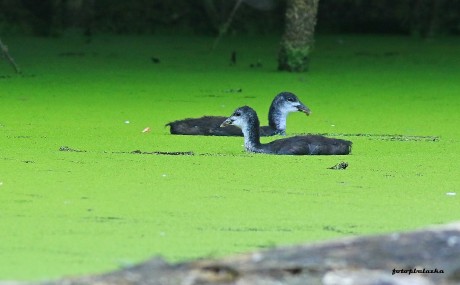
point(75, 199)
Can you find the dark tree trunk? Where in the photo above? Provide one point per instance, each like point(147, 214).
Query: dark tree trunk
point(298, 38)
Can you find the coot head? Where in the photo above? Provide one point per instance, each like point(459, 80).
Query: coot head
point(288, 102)
point(241, 117)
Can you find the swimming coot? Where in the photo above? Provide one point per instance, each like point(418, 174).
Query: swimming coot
point(283, 104)
point(246, 119)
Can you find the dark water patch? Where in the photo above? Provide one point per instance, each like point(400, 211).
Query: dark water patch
point(69, 149)
point(28, 161)
point(77, 162)
point(212, 154)
point(105, 219)
point(336, 230)
point(233, 90)
point(210, 96)
point(66, 148)
point(215, 197)
point(163, 152)
point(382, 137)
point(230, 229)
point(226, 154)
point(242, 230)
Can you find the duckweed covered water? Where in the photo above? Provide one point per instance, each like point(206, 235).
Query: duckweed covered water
point(65, 212)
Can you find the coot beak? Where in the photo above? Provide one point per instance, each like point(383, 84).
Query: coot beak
point(302, 108)
point(227, 122)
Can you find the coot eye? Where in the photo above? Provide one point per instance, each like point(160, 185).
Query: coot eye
point(237, 114)
point(290, 99)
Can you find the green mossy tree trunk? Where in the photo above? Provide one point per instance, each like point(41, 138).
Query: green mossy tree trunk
point(298, 38)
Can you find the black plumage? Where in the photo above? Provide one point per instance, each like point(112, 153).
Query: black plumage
point(246, 119)
point(283, 104)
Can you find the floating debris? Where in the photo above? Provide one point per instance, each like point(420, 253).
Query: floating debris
point(451, 193)
point(382, 137)
point(340, 166)
point(163, 152)
point(66, 148)
point(232, 90)
point(127, 122)
point(146, 130)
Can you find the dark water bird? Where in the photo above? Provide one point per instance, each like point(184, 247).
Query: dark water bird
point(246, 119)
point(283, 104)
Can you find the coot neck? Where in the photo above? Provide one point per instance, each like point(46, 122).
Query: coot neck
point(251, 134)
point(277, 120)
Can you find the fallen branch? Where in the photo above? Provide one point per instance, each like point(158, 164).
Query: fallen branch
point(7, 55)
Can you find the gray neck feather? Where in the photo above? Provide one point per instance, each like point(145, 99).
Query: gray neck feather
point(277, 119)
point(251, 135)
